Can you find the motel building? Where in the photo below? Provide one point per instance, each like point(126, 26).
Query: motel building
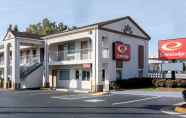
point(87, 58)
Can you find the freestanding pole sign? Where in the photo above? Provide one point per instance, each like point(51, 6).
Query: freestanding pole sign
point(172, 49)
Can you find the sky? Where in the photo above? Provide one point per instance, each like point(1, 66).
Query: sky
point(161, 19)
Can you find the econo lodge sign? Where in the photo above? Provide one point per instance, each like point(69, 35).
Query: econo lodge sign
point(121, 51)
point(172, 49)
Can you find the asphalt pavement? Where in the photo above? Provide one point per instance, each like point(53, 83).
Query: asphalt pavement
point(54, 104)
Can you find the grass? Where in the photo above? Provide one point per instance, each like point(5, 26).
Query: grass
point(151, 89)
point(163, 89)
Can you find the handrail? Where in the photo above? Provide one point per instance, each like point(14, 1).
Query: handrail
point(77, 54)
point(25, 71)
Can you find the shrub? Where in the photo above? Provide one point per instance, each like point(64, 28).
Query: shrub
point(181, 83)
point(135, 83)
point(131, 83)
point(171, 83)
point(159, 83)
point(113, 85)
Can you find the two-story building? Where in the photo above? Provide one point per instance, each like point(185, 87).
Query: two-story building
point(86, 58)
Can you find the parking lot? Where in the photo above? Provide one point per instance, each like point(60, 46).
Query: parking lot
point(53, 104)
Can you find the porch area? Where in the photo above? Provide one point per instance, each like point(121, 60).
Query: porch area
point(77, 77)
point(70, 52)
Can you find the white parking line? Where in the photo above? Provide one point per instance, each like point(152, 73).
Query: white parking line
point(180, 103)
point(75, 98)
point(94, 100)
point(133, 101)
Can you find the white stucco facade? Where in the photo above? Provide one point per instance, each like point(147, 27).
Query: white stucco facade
point(83, 58)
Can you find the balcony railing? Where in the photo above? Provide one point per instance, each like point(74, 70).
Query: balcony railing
point(24, 60)
point(29, 59)
point(70, 55)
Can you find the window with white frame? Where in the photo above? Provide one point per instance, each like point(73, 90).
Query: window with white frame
point(64, 75)
point(86, 75)
point(71, 47)
point(105, 47)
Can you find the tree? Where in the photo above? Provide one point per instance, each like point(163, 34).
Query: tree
point(47, 27)
point(13, 28)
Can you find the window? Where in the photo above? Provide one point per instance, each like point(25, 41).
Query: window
point(34, 53)
point(105, 53)
point(64, 75)
point(85, 75)
point(77, 74)
point(103, 75)
point(27, 56)
point(140, 57)
point(118, 74)
point(71, 47)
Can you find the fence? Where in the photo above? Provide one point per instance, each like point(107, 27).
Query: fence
point(161, 75)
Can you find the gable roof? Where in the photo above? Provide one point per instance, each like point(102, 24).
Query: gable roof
point(123, 18)
point(24, 34)
point(100, 24)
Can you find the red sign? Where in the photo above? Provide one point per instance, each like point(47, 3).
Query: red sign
point(87, 66)
point(172, 49)
point(121, 51)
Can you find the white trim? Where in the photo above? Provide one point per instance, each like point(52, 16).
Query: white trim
point(49, 37)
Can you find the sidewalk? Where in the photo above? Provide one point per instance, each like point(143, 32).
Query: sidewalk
point(150, 93)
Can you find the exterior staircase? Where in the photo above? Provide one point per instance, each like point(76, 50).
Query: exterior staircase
point(31, 76)
point(25, 71)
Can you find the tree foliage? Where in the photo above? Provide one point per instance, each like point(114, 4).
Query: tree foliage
point(13, 28)
point(46, 27)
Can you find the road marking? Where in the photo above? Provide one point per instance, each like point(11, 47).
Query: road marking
point(133, 101)
point(174, 113)
point(171, 113)
point(178, 104)
point(75, 98)
point(94, 100)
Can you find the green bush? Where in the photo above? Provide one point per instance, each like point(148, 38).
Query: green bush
point(159, 82)
point(135, 83)
point(170, 83)
point(181, 83)
point(131, 83)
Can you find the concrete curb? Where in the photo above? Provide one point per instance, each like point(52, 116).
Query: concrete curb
point(100, 93)
point(45, 89)
point(180, 109)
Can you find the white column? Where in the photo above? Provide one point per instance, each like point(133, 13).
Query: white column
point(15, 65)
point(6, 63)
point(45, 77)
point(30, 56)
point(96, 64)
point(93, 79)
point(107, 77)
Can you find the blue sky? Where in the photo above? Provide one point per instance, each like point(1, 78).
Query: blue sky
point(161, 19)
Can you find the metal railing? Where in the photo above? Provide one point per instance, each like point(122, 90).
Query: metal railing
point(29, 59)
point(24, 60)
point(161, 75)
point(78, 54)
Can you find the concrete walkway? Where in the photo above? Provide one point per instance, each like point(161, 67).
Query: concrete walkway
point(150, 93)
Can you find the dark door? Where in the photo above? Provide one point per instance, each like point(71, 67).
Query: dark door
point(42, 54)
